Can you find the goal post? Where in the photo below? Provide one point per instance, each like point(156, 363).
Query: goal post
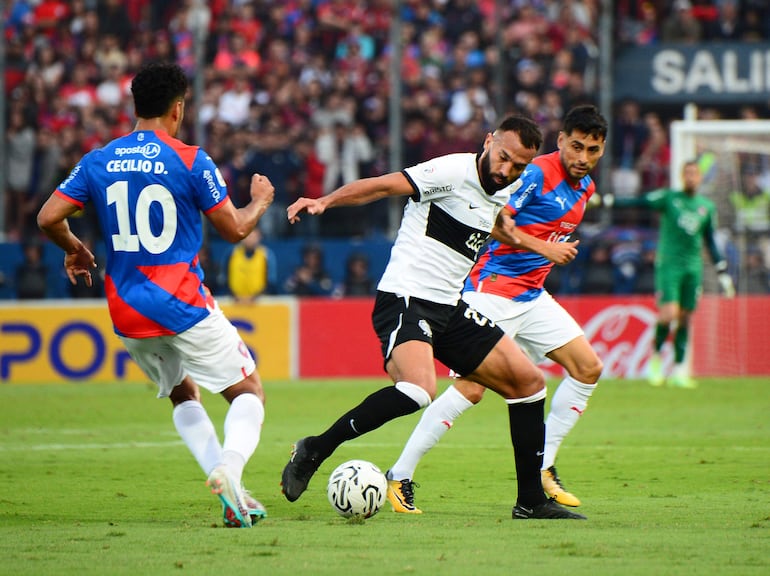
point(734, 156)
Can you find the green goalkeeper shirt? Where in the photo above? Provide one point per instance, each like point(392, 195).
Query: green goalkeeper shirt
point(686, 222)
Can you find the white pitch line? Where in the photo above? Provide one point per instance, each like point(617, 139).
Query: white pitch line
point(100, 446)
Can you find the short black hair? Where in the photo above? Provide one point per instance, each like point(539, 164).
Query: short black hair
point(587, 119)
point(527, 129)
point(156, 87)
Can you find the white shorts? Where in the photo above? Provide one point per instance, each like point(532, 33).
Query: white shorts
point(211, 352)
point(538, 327)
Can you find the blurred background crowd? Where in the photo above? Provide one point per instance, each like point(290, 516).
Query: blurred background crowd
point(299, 90)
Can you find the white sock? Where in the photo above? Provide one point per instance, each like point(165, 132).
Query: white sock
point(198, 433)
point(567, 405)
point(435, 421)
point(243, 426)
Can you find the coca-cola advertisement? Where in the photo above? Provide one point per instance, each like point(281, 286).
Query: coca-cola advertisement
point(729, 337)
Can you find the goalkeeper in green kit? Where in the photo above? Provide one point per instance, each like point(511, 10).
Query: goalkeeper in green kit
point(687, 220)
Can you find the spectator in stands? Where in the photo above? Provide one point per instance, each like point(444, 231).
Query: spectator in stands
point(45, 173)
point(645, 276)
point(644, 30)
point(628, 138)
point(308, 182)
point(32, 274)
point(345, 151)
point(20, 201)
point(626, 256)
point(599, 274)
point(681, 25)
point(310, 278)
point(727, 26)
point(235, 101)
point(655, 157)
point(756, 21)
point(357, 280)
point(756, 277)
point(751, 203)
point(251, 268)
point(114, 20)
point(271, 153)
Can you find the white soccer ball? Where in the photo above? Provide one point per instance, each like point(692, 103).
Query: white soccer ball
point(357, 488)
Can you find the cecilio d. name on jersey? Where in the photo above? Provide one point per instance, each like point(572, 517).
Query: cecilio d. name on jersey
point(149, 151)
point(446, 222)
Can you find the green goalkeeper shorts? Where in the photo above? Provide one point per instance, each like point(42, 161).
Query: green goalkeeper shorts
point(677, 284)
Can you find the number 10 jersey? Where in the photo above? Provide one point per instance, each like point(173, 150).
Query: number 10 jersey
point(148, 190)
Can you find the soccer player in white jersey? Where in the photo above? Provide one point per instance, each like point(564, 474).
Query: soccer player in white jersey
point(148, 190)
point(506, 285)
point(455, 202)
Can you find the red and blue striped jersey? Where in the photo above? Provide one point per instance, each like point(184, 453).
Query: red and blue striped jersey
point(149, 190)
point(546, 206)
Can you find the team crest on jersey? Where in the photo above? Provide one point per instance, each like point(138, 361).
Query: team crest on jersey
point(425, 327)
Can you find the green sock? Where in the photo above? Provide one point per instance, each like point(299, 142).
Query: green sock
point(661, 333)
point(680, 343)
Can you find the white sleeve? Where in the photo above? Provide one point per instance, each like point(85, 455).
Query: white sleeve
point(436, 178)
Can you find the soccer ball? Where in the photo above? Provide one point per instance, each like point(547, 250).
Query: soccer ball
point(357, 488)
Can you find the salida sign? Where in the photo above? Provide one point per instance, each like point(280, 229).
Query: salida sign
point(708, 74)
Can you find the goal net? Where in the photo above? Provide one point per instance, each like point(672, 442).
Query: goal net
point(734, 156)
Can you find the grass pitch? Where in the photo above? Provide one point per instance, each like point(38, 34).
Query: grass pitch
point(94, 480)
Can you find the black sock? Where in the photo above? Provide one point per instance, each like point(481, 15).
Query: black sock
point(527, 421)
point(379, 407)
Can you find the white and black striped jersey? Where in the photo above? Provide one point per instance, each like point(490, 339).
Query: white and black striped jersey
point(445, 223)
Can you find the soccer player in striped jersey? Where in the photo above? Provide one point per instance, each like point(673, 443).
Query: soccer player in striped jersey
point(455, 202)
point(506, 285)
point(148, 190)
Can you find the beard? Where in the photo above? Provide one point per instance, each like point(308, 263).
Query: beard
point(485, 176)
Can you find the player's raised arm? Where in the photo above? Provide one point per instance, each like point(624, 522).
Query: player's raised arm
point(234, 224)
point(356, 193)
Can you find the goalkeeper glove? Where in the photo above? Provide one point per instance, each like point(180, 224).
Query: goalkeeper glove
point(725, 281)
point(727, 284)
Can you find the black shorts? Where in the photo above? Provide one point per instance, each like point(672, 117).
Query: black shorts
point(461, 337)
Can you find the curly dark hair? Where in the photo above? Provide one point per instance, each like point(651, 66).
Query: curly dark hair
point(156, 87)
point(587, 119)
point(527, 129)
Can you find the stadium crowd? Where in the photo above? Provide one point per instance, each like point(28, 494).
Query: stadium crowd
point(298, 90)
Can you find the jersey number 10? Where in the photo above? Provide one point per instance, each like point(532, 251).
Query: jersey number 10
point(124, 240)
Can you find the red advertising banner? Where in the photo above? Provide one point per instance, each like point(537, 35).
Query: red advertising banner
point(728, 337)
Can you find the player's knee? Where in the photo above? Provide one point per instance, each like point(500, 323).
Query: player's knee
point(589, 373)
point(249, 385)
point(529, 383)
point(470, 390)
point(184, 391)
